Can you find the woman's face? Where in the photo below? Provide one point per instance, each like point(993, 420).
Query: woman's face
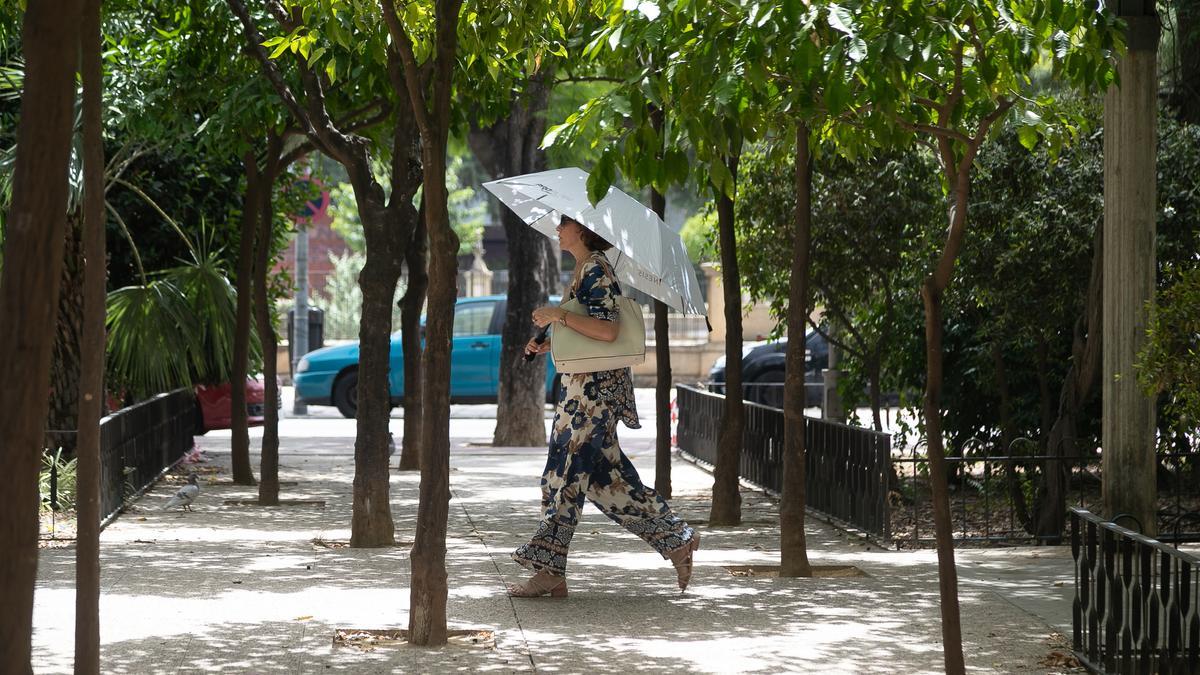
point(568, 234)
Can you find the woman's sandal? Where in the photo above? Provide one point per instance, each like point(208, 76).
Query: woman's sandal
point(538, 585)
point(681, 558)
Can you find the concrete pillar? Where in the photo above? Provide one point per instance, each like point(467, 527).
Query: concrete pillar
point(716, 303)
point(299, 336)
point(1128, 424)
point(831, 402)
point(479, 277)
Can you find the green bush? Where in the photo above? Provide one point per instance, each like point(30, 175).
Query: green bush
point(66, 476)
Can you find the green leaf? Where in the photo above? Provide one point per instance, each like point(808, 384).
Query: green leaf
point(602, 177)
point(858, 49)
point(720, 177)
point(677, 165)
point(1028, 136)
point(279, 50)
point(841, 19)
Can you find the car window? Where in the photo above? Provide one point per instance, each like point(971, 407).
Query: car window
point(473, 319)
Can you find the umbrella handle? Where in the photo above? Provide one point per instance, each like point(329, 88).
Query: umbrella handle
point(539, 338)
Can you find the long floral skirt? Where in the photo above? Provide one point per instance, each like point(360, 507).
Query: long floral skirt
point(586, 461)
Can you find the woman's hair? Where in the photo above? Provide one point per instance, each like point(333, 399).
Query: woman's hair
point(591, 240)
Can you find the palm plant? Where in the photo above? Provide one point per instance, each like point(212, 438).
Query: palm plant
point(176, 329)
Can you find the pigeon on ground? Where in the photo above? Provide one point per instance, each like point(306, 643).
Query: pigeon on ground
point(185, 495)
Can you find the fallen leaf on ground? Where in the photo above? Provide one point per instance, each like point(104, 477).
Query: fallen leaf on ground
point(306, 617)
point(1059, 660)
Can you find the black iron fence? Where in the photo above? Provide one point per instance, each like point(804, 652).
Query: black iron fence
point(995, 497)
point(137, 444)
point(847, 467)
point(1011, 497)
point(1137, 601)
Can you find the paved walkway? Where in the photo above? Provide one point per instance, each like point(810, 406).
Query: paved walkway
point(244, 589)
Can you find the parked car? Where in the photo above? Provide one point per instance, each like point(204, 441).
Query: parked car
point(329, 376)
point(214, 408)
point(763, 370)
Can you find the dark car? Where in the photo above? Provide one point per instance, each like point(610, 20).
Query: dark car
point(763, 366)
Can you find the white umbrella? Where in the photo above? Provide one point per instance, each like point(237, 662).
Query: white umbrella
point(646, 254)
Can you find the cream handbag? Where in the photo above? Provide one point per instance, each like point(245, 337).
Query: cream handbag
point(573, 352)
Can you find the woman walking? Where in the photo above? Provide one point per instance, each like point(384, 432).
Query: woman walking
point(585, 460)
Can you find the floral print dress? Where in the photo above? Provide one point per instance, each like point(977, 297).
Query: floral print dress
point(585, 459)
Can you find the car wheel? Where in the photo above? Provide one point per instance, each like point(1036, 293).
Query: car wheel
point(345, 394)
point(769, 388)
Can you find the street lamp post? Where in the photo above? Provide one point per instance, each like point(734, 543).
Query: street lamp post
point(300, 313)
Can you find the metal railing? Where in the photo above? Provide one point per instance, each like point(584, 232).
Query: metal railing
point(847, 468)
point(1001, 497)
point(1137, 601)
point(139, 443)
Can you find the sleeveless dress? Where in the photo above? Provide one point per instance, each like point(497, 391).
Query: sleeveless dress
point(585, 459)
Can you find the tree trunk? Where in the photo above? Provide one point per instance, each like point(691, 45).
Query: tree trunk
point(427, 614)
point(264, 310)
point(793, 546)
point(1185, 97)
point(417, 260)
point(239, 443)
point(371, 524)
point(520, 414)
point(726, 497)
point(1008, 435)
point(874, 388)
point(1128, 432)
point(1045, 403)
point(1050, 509)
point(511, 147)
point(947, 572)
point(28, 297)
point(65, 365)
point(933, 290)
point(427, 603)
point(662, 384)
point(91, 354)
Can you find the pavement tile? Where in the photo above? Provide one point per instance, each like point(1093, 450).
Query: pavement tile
point(243, 589)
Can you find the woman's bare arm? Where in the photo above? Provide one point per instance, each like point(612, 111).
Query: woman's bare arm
point(597, 329)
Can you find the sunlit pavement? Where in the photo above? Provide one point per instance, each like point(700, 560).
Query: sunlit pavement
point(232, 588)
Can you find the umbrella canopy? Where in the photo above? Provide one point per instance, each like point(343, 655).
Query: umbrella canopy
point(646, 254)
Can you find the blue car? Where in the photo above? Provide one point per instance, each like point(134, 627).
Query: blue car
point(329, 376)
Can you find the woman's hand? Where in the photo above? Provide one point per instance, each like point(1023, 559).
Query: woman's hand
point(533, 348)
point(547, 315)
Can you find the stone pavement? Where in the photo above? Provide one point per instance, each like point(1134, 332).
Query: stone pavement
point(246, 589)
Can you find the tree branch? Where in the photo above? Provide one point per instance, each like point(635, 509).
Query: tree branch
point(412, 74)
point(1002, 107)
point(845, 320)
point(349, 117)
point(254, 40)
point(596, 78)
point(935, 130)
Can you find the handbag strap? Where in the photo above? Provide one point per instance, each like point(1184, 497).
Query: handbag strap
point(602, 261)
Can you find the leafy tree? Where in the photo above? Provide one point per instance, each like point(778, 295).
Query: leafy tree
point(1170, 363)
point(850, 232)
point(325, 48)
point(947, 73)
point(667, 60)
